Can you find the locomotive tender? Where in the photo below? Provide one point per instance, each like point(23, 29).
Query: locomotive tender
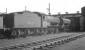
point(26, 23)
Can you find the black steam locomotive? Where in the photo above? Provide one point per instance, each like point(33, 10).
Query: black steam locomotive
point(23, 24)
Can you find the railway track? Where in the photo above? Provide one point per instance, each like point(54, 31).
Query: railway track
point(45, 44)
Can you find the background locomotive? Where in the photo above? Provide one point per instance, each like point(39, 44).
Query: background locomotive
point(26, 23)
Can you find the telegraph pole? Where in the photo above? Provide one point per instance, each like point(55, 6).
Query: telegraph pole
point(6, 10)
point(49, 13)
point(25, 8)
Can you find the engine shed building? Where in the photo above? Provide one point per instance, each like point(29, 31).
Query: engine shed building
point(76, 21)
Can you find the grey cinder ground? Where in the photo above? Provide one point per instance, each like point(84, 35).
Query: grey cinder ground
point(78, 44)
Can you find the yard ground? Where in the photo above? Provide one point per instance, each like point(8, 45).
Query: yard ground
point(78, 44)
point(12, 42)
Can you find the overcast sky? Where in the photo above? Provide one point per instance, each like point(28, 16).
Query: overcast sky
point(62, 6)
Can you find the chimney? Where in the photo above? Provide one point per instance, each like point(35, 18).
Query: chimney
point(66, 12)
point(59, 13)
point(78, 12)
